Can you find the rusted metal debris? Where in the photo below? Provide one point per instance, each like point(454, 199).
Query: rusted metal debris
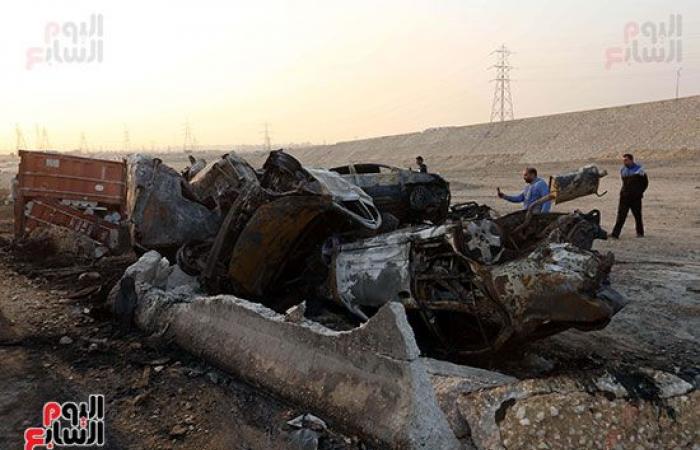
point(218, 184)
point(84, 195)
point(258, 224)
point(473, 288)
point(471, 282)
point(163, 211)
point(580, 183)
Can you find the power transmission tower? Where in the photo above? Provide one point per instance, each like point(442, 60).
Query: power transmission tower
point(190, 143)
point(45, 144)
point(21, 143)
point(37, 136)
point(678, 82)
point(126, 143)
point(267, 144)
point(502, 107)
point(83, 144)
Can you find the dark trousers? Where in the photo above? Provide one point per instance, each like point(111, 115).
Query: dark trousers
point(635, 204)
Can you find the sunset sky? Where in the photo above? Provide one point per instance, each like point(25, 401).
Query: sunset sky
point(320, 71)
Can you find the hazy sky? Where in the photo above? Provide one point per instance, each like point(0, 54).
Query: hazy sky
point(318, 70)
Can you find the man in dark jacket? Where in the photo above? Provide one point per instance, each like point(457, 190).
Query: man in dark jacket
point(634, 183)
point(422, 168)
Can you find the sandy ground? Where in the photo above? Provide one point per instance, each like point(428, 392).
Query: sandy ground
point(153, 389)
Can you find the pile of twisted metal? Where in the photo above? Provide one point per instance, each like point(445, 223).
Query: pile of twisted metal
point(352, 239)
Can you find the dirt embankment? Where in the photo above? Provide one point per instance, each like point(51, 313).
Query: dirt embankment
point(663, 129)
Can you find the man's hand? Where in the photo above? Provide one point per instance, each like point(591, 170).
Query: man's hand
point(500, 194)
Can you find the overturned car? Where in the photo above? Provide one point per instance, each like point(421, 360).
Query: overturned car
point(403, 196)
point(472, 284)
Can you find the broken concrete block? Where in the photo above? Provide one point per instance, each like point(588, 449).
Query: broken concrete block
point(177, 278)
point(369, 380)
point(150, 270)
point(451, 381)
point(668, 384)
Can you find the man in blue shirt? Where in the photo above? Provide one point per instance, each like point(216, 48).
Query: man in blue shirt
point(535, 189)
point(634, 183)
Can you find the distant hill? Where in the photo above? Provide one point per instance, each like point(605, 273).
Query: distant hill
point(654, 130)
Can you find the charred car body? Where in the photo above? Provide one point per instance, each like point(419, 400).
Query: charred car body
point(471, 284)
point(472, 287)
point(405, 196)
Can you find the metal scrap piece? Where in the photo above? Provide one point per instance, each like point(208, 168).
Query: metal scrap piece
point(163, 213)
point(219, 182)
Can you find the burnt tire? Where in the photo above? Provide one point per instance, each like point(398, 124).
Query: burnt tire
point(421, 198)
point(430, 203)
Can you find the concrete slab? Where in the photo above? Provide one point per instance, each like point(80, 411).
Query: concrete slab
point(370, 380)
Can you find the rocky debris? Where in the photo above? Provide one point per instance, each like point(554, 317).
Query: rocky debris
point(145, 378)
point(607, 383)
point(308, 421)
point(296, 313)
point(65, 340)
point(310, 432)
point(668, 384)
point(178, 431)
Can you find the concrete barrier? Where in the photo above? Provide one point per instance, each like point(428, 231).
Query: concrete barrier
point(368, 380)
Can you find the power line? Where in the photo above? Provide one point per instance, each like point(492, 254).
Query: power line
point(502, 107)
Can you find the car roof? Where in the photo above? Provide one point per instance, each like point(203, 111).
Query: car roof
point(364, 167)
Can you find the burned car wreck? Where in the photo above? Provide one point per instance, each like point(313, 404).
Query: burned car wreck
point(404, 196)
point(470, 283)
point(469, 289)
